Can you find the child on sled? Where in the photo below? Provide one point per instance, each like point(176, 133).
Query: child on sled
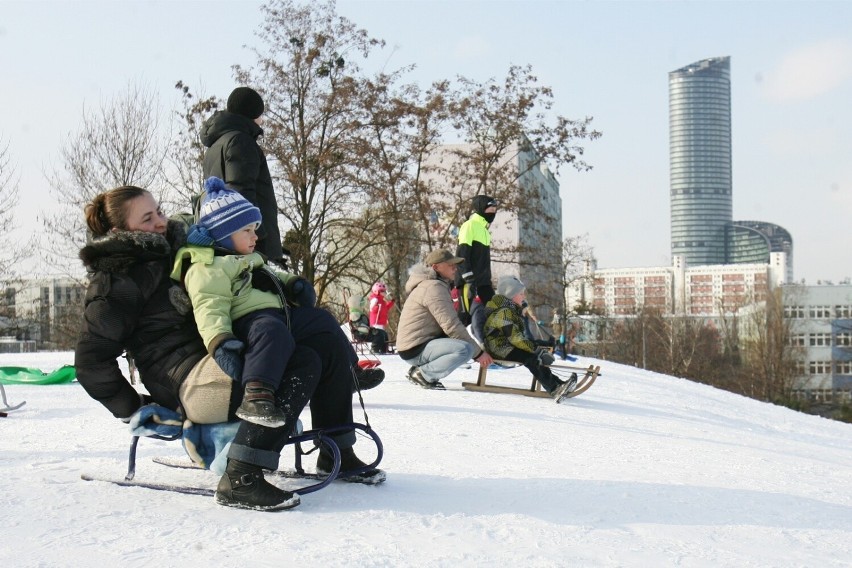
point(241, 305)
point(505, 337)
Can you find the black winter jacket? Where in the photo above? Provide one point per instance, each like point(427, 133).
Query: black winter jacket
point(132, 304)
point(234, 156)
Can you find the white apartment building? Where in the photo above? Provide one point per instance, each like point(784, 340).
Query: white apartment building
point(823, 329)
point(42, 302)
point(710, 291)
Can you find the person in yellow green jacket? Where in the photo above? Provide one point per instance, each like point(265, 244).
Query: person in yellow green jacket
point(475, 247)
point(221, 271)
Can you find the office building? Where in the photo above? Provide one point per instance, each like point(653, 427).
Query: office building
point(703, 231)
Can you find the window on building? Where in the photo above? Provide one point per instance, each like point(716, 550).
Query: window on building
point(820, 339)
point(843, 311)
point(843, 367)
point(799, 339)
point(819, 367)
point(843, 339)
point(819, 312)
point(796, 312)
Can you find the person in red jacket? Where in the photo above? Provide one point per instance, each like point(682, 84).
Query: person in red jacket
point(380, 305)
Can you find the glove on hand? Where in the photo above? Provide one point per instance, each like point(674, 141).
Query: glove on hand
point(544, 357)
point(302, 293)
point(228, 357)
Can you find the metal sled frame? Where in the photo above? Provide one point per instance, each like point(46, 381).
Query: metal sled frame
point(6, 406)
point(583, 383)
point(317, 437)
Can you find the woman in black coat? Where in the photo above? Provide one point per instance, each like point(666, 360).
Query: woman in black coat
point(133, 305)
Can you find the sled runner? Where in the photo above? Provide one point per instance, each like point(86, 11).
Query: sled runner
point(6, 406)
point(315, 437)
point(583, 383)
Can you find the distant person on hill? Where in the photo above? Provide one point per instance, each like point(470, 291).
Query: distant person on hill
point(430, 336)
point(506, 340)
point(234, 156)
point(380, 305)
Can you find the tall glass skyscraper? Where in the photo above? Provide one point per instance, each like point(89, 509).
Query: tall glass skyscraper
point(700, 160)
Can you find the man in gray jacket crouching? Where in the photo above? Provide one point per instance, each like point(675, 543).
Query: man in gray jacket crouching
point(431, 337)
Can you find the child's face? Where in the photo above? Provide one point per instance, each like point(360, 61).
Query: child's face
point(244, 240)
point(520, 297)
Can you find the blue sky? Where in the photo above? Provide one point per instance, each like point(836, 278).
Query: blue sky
point(791, 74)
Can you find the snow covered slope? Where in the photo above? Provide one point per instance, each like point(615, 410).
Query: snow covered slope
point(642, 470)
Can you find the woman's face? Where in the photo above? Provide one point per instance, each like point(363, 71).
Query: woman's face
point(144, 214)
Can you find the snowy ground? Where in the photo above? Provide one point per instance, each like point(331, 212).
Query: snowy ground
point(642, 470)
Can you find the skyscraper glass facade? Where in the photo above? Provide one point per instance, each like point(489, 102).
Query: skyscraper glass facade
point(700, 160)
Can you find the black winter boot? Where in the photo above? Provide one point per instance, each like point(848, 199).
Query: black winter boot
point(258, 406)
point(367, 378)
point(349, 467)
point(244, 487)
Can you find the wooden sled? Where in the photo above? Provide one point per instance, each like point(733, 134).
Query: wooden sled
point(583, 383)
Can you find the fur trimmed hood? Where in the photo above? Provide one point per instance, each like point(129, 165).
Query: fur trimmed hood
point(118, 251)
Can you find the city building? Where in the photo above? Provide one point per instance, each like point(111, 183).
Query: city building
point(703, 231)
point(45, 310)
point(823, 330)
point(700, 160)
point(702, 291)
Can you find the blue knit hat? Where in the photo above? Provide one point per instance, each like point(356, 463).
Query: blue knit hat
point(223, 212)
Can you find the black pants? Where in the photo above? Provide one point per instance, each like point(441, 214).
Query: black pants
point(331, 403)
point(268, 346)
point(379, 340)
point(544, 375)
point(320, 371)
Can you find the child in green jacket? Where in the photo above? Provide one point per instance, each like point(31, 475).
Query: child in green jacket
point(221, 274)
point(505, 338)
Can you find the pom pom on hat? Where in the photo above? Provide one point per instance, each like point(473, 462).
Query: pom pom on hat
point(245, 101)
point(223, 213)
point(508, 286)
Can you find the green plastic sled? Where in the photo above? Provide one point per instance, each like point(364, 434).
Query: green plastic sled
point(28, 376)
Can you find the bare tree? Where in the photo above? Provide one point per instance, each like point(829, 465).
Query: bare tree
point(12, 252)
point(576, 255)
point(403, 126)
point(185, 153)
point(310, 79)
point(509, 131)
point(117, 144)
point(768, 351)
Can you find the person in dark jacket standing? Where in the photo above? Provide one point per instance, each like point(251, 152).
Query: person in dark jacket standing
point(133, 305)
point(234, 156)
point(475, 247)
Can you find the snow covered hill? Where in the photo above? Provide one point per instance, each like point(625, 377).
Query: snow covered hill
point(642, 470)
